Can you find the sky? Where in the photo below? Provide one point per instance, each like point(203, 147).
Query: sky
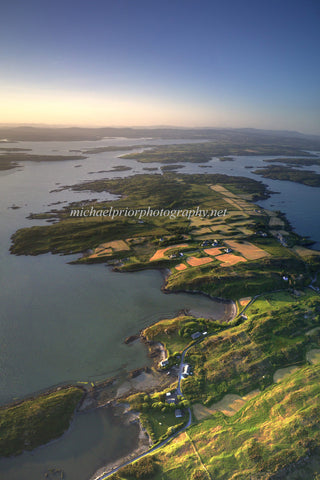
point(226, 63)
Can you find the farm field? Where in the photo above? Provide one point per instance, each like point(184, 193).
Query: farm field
point(248, 250)
point(180, 267)
point(232, 256)
point(195, 262)
point(230, 259)
point(160, 254)
point(228, 405)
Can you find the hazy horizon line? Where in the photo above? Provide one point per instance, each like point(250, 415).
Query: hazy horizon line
point(148, 127)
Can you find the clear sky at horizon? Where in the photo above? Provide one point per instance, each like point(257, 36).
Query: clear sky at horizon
point(198, 63)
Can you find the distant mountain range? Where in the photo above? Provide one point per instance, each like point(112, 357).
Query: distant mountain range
point(238, 136)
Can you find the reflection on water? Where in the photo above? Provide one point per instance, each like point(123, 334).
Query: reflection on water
point(94, 439)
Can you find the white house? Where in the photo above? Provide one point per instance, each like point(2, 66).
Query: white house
point(186, 370)
point(164, 362)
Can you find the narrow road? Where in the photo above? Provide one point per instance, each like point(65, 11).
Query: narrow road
point(167, 440)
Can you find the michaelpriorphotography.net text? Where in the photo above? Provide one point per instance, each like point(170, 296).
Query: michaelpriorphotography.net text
point(148, 212)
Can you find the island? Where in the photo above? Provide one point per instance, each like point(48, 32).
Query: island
point(287, 173)
point(13, 157)
point(204, 152)
point(295, 161)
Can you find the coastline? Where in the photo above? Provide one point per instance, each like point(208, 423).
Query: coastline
point(109, 392)
point(228, 317)
point(157, 352)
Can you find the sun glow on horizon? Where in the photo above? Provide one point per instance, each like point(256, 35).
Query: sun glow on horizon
point(169, 63)
point(99, 109)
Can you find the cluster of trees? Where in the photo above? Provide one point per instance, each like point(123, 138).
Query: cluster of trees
point(194, 387)
point(169, 241)
point(146, 403)
point(200, 324)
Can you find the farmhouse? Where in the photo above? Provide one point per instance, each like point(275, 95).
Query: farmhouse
point(186, 370)
point(164, 362)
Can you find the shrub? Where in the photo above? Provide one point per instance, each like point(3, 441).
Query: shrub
point(144, 468)
point(199, 475)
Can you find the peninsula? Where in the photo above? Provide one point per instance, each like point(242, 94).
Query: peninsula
point(252, 361)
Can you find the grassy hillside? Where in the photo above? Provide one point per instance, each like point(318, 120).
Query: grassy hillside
point(175, 333)
point(278, 428)
point(245, 357)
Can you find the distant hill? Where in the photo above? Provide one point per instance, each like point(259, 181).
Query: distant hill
point(236, 136)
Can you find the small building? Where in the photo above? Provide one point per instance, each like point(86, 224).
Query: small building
point(171, 400)
point(204, 333)
point(178, 413)
point(228, 250)
point(195, 335)
point(171, 397)
point(206, 243)
point(186, 370)
point(164, 362)
point(285, 278)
